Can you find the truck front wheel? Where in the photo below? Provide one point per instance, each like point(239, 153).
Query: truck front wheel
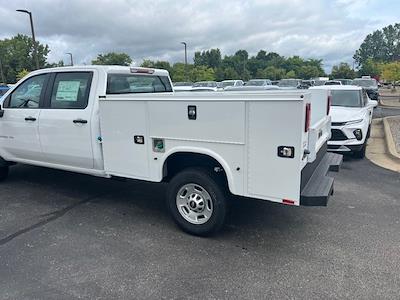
point(3, 173)
point(197, 201)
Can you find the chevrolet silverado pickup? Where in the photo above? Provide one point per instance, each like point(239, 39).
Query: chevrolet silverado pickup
point(127, 122)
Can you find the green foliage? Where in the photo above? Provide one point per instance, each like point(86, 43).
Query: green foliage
point(211, 58)
point(391, 71)
point(113, 58)
point(17, 54)
point(380, 46)
point(291, 74)
point(21, 74)
point(343, 70)
point(369, 67)
point(271, 72)
point(201, 73)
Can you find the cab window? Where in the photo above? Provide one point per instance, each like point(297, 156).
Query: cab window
point(130, 84)
point(27, 94)
point(71, 90)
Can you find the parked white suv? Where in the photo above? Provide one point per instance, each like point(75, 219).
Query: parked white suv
point(351, 113)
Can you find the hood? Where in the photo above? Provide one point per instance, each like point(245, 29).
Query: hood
point(344, 114)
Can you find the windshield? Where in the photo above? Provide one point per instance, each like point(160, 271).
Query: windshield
point(129, 83)
point(256, 83)
point(346, 98)
point(205, 84)
point(227, 83)
point(288, 83)
point(365, 82)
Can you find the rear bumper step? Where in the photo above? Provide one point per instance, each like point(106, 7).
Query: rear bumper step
point(317, 189)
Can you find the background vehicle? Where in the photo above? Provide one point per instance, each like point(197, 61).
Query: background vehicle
point(126, 122)
point(182, 86)
point(346, 81)
point(3, 90)
point(205, 86)
point(333, 82)
point(305, 84)
point(288, 84)
point(351, 112)
point(370, 85)
point(258, 82)
point(228, 83)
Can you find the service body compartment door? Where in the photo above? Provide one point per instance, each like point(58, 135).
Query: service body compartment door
point(120, 122)
point(273, 124)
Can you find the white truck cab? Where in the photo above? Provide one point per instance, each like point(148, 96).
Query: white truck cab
point(351, 112)
point(126, 122)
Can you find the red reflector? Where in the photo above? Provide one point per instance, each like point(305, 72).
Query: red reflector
point(308, 117)
point(328, 105)
point(287, 201)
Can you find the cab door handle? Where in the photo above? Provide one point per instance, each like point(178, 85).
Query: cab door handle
point(80, 121)
point(30, 119)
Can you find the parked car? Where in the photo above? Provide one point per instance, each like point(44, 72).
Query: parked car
point(370, 85)
point(3, 90)
point(111, 121)
point(289, 84)
point(306, 84)
point(205, 86)
point(351, 112)
point(333, 82)
point(182, 86)
point(346, 81)
point(228, 83)
point(258, 82)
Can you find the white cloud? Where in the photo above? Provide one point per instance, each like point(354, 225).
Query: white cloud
point(330, 30)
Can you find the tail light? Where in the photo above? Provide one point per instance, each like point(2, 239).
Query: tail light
point(308, 117)
point(328, 105)
point(142, 70)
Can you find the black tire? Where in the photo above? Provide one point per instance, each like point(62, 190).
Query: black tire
point(369, 132)
point(361, 153)
point(215, 189)
point(3, 173)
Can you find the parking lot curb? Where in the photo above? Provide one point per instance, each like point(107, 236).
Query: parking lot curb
point(390, 144)
point(383, 104)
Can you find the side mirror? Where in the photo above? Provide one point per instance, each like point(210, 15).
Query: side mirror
point(1, 111)
point(373, 103)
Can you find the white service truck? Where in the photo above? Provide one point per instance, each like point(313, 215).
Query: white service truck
point(127, 122)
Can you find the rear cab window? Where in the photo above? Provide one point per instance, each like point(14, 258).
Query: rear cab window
point(137, 83)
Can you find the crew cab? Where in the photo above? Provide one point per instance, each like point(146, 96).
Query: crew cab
point(126, 122)
point(351, 114)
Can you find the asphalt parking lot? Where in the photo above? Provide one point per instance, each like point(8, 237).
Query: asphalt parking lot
point(69, 236)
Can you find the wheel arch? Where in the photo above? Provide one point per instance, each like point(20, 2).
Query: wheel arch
point(203, 156)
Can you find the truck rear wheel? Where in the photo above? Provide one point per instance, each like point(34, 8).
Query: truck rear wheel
point(197, 201)
point(3, 173)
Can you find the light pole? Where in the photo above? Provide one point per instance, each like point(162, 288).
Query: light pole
point(184, 44)
point(70, 56)
point(33, 35)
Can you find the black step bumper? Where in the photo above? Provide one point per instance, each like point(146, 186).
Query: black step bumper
point(316, 186)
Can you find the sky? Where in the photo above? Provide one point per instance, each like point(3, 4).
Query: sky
point(331, 30)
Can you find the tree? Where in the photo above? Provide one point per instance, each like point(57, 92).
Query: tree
point(113, 58)
point(343, 70)
point(17, 54)
point(210, 58)
point(369, 67)
point(272, 73)
point(291, 74)
point(391, 71)
point(21, 74)
point(380, 46)
point(201, 73)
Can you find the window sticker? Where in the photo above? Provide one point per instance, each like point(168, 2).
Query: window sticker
point(68, 91)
